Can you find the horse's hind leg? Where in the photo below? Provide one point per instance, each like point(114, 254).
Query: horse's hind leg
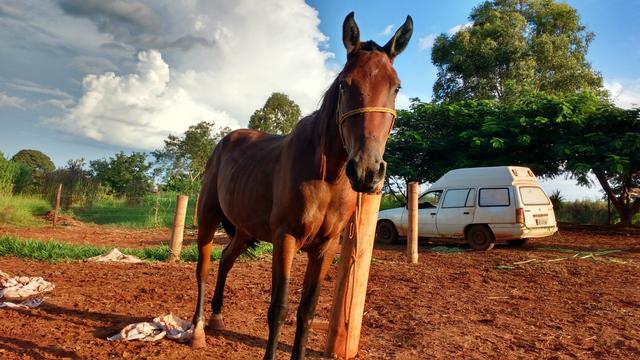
point(209, 215)
point(237, 246)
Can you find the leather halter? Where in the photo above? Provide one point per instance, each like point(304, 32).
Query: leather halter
point(341, 117)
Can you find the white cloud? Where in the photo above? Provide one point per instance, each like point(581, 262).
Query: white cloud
point(31, 87)
point(402, 101)
point(624, 93)
point(136, 110)
point(459, 27)
point(252, 49)
point(11, 101)
point(427, 42)
point(386, 30)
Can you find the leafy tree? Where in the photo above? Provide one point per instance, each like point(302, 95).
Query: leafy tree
point(514, 47)
point(78, 186)
point(183, 159)
point(125, 175)
point(7, 175)
point(279, 115)
point(578, 133)
point(35, 165)
point(607, 143)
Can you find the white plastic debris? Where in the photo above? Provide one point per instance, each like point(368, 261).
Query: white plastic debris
point(23, 287)
point(22, 292)
point(31, 303)
point(169, 325)
point(115, 256)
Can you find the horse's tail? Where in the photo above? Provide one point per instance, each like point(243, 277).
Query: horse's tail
point(228, 227)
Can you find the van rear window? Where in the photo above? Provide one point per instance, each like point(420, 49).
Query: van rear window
point(533, 195)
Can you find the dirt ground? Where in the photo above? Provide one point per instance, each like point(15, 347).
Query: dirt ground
point(451, 305)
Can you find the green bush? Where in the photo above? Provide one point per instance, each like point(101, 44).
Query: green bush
point(22, 210)
point(584, 212)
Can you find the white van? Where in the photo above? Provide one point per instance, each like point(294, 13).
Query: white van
point(481, 205)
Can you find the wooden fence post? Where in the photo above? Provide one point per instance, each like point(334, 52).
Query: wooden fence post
point(57, 207)
point(351, 283)
point(195, 210)
point(177, 231)
point(412, 230)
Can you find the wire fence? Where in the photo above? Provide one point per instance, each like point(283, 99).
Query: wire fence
point(153, 210)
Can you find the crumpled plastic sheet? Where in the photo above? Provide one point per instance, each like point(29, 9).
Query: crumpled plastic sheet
point(169, 326)
point(22, 292)
point(115, 256)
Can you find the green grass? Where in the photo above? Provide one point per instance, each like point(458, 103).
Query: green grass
point(60, 251)
point(19, 210)
point(110, 211)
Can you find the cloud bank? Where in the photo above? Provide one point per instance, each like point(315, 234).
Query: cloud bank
point(143, 69)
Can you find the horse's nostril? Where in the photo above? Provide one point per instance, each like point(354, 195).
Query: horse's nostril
point(351, 169)
point(382, 169)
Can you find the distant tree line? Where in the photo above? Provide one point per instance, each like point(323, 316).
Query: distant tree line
point(178, 166)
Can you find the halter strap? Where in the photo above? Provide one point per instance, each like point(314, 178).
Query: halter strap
point(362, 110)
point(341, 117)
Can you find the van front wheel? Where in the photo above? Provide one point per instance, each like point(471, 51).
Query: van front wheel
point(480, 237)
point(386, 233)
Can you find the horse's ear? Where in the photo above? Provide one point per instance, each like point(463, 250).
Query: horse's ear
point(350, 34)
point(400, 39)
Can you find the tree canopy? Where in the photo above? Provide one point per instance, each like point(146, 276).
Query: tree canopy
point(579, 133)
point(279, 115)
point(183, 159)
point(33, 165)
point(514, 47)
point(125, 175)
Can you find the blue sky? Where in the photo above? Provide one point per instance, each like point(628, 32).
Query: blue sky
point(87, 78)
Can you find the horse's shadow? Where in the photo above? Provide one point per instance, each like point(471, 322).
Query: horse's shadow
point(34, 350)
point(116, 322)
point(258, 342)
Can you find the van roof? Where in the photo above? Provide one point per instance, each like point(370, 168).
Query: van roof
point(493, 175)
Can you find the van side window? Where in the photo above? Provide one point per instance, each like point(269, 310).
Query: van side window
point(429, 200)
point(471, 199)
point(455, 198)
point(494, 197)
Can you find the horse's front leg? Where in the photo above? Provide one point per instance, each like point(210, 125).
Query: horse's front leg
point(284, 249)
point(317, 268)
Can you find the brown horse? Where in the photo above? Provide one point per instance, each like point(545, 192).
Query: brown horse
point(298, 191)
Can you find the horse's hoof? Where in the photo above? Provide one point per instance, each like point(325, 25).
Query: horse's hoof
point(198, 342)
point(216, 322)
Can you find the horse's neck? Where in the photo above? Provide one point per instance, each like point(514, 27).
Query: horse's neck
point(332, 154)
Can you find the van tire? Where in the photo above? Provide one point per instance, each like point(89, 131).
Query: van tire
point(480, 238)
point(386, 233)
point(517, 242)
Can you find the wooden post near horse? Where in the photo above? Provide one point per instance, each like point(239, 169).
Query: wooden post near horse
point(177, 231)
point(195, 211)
point(57, 207)
point(351, 283)
point(412, 229)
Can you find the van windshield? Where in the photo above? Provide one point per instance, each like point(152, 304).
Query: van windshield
point(533, 195)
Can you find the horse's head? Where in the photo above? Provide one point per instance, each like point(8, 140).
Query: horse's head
point(368, 86)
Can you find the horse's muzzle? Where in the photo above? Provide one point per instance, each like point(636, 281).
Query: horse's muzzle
point(365, 178)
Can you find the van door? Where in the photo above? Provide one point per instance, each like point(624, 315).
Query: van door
point(538, 211)
point(427, 210)
point(456, 212)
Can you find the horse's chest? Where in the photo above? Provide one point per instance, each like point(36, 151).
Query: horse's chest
point(325, 213)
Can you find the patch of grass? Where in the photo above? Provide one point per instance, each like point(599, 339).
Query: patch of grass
point(112, 211)
point(60, 251)
point(447, 249)
point(22, 210)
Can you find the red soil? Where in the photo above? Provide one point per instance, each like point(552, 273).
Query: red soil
point(450, 305)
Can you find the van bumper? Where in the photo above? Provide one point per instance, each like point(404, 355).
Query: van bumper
point(517, 231)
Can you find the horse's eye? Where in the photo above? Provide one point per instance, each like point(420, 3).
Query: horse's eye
point(398, 88)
